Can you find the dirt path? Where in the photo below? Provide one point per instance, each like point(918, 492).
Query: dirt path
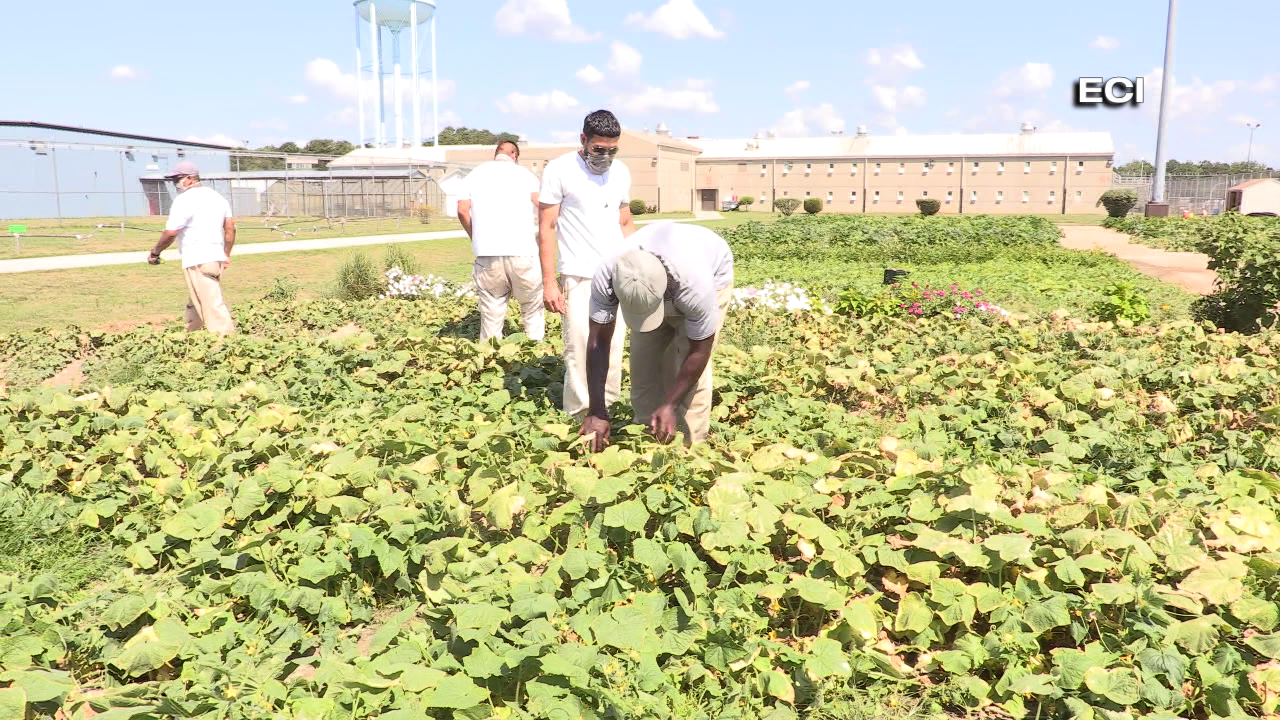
point(1188, 270)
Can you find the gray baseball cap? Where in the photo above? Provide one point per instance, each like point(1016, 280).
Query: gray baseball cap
point(183, 169)
point(639, 282)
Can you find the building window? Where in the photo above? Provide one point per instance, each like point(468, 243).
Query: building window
point(830, 197)
point(764, 168)
point(1078, 194)
point(999, 196)
point(853, 196)
point(876, 198)
point(808, 168)
point(973, 196)
point(1051, 195)
point(899, 196)
point(1000, 168)
point(951, 167)
point(786, 168)
point(1079, 167)
point(853, 168)
point(1026, 168)
point(806, 193)
point(1053, 167)
point(877, 168)
point(924, 193)
point(927, 167)
point(1026, 196)
point(831, 168)
point(902, 168)
point(784, 193)
point(975, 167)
point(948, 197)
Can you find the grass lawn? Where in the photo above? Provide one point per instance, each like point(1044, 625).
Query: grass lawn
point(141, 233)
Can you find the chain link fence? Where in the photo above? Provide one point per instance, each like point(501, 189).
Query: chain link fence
point(1199, 194)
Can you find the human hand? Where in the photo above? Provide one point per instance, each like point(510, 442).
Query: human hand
point(153, 259)
point(553, 299)
point(600, 427)
point(663, 423)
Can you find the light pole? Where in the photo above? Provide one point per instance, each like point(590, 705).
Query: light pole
point(1158, 206)
point(1252, 127)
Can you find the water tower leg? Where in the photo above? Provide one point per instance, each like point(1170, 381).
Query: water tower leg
point(435, 85)
point(379, 124)
point(417, 76)
point(399, 95)
point(359, 84)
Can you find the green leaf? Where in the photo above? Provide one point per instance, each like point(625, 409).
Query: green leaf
point(480, 616)
point(1120, 686)
point(1119, 593)
point(779, 686)
point(630, 515)
point(1197, 636)
point(249, 498)
point(1220, 583)
point(41, 686)
point(1072, 664)
point(153, 647)
point(198, 521)
point(1010, 548)
point(124, 611)
point(1035, 685)
point(1044, 616)
point(13, 703)
point(650, 554)
point(914, 614)
point(1259, 613)
point(827, 659)
point(1266, 645)
point(1069, 573)
point(818, 592)
point(456, 691)
point(1166, 661)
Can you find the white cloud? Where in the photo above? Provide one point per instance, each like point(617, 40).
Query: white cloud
point(218, 139)
point(590, 75)
point(1104, 42)
point(679, 19)
point(556, 101)
point(546, 18)
point(123, 72)
point(809, 121)
point(892, 99)
point(1006, 118)
point(1026, 79)
point(326, 75)
point(566, 136)
point(298, 99)
point(796, 88)
point(1266, 84)
point(624, 59)
point(895, 59)
point(1196, 96)
point(693, 96)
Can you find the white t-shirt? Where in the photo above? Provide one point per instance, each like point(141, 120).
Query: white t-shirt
point(503, 220)
point(197, 215)
point(589, 205)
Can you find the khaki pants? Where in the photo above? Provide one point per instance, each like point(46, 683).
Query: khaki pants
point(576, 325)
point(497, 279)
point(206, 309)
point(656, 358)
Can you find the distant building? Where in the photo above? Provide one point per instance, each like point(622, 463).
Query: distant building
point(49, 171)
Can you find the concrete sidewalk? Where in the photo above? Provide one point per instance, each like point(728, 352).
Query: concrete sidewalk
point(70, 262)
point(1188, 270)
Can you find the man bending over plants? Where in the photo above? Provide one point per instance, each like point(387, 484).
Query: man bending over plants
point(673, 290)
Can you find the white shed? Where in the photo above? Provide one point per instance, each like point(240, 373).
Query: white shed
point(1250, 196)
point(450, 184)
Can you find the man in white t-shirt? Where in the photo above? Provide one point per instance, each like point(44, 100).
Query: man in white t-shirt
point(498, 208)
point(202, 223)
point(584, 212)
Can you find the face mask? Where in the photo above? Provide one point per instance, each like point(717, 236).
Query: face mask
point(505, 158)
point(599, 164)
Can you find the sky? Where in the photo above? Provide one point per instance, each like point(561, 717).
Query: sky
point(267, 71)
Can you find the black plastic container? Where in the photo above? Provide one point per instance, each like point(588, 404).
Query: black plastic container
point(892, 276)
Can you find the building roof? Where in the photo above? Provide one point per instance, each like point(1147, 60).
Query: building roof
point(905, 146)
point(354, 173)
point(109, 133)
point(1251, 183)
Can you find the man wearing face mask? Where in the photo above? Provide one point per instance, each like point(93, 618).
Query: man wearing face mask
point(202, 223)
point(585, 214)
point(498, 208)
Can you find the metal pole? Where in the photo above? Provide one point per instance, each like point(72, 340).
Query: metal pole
point(359, 83)
point(1252, 126)
point(124, 202)
point(1166, 89)
point(377, 75)
point(57, 192)
point(435, 86)
point(417, 77)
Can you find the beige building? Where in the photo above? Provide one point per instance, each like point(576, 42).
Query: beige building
point(1022, 173)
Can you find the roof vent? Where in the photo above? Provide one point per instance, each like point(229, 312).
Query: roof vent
point(1028, 128)
point(862, 131)
point(663, 130)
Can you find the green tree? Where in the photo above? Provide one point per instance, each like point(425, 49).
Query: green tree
point(472, 136)
point(786, 205)
point(1136, 167)
point(813, 205)
point(1118, 201)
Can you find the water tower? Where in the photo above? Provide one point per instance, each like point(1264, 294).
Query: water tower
point(381, 27)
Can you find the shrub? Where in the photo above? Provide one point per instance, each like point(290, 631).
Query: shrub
point(358, 279)
point(928, 206)
point(283, 289)
point(638, 207)
point(1118, 201)
point(813, 205)
point(786, 206)
point(745, 202)
point(1245, 252)
point(650, 209)
point(1122, 301)
point(398, 257)
point(424, 213)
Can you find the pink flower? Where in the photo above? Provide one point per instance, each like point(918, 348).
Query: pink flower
point(977, 292)
point(966, 296)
